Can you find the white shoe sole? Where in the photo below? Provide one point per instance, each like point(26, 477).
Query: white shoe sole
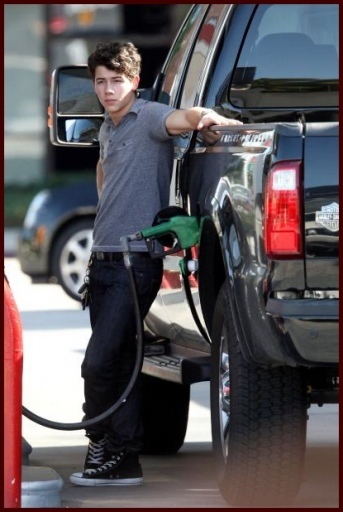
point(78, 479)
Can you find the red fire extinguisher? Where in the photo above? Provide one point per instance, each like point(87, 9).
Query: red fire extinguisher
point(12, 400)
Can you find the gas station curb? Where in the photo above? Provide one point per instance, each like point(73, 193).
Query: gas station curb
point(40, 487)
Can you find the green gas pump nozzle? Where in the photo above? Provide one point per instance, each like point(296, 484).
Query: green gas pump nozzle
point(172, 234)
point(177, 233)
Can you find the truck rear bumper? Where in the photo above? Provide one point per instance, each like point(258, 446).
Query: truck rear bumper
point(311, 327)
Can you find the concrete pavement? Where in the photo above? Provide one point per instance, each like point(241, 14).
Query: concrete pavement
point(55, 333)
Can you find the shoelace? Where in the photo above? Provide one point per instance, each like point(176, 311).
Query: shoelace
point(96, 451)
point(115, 459)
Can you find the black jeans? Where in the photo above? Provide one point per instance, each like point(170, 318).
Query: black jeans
point(110, 356)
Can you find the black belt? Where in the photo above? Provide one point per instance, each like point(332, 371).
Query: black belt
point(117, 256)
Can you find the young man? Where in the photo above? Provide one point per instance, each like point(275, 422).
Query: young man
point(133, 179)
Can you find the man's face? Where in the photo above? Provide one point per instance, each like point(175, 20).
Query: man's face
point(114, 90)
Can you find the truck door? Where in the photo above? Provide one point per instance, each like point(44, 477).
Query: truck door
point(168, 316)
point(182, 73)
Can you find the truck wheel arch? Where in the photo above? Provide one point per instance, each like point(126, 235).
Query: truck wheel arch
point(211, 270)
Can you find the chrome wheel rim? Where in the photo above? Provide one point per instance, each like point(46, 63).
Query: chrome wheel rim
point(74, 259)
point(224, 394)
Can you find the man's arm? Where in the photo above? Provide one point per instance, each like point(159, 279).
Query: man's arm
point(195, 118)
point(99, 177)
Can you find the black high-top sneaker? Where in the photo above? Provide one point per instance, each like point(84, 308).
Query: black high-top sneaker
point(95, 454)
point(120, 468)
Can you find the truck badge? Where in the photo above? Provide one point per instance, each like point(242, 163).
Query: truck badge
point(328, 217)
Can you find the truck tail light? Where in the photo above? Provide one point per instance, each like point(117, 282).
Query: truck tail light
point(282, 220)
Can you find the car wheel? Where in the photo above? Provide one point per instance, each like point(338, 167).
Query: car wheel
point(70, 255)
point(258, 417)
point(165, 415)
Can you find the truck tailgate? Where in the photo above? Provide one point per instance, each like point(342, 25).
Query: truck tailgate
point(321, 205)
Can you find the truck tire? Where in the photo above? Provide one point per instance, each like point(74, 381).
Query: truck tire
point(258, 417)
point(70, 255)
point(165, 415)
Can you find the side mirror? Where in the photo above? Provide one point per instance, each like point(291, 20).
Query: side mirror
point(75, 113)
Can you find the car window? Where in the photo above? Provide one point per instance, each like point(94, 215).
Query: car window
point(289, 51)
point(208, 35)
point(178, 58)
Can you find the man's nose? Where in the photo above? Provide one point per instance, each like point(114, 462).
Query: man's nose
point(108, 87)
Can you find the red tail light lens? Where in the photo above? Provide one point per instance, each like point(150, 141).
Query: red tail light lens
point(283, 212)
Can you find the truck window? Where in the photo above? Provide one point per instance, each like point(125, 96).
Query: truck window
point(208, 35)
point(178, 58)
point(289, 51)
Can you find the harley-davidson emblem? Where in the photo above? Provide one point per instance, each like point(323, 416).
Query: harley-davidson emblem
point(329, 217)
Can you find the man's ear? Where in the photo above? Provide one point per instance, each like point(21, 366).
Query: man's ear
point(135, 83)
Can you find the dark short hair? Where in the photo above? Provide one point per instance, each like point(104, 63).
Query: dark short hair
point(120, 57)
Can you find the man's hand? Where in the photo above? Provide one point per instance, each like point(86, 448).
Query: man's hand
point(210, 117)
point(210, 136)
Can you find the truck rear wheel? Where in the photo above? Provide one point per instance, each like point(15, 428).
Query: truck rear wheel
point(258, 420)
point(165, 415)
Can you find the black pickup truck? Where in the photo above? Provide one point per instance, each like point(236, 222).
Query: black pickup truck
point(254, 307)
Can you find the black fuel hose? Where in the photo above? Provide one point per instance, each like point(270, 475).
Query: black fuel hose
point(137, 368)
point(191, 304)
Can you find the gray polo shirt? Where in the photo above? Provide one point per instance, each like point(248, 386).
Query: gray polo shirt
point(137, 157)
